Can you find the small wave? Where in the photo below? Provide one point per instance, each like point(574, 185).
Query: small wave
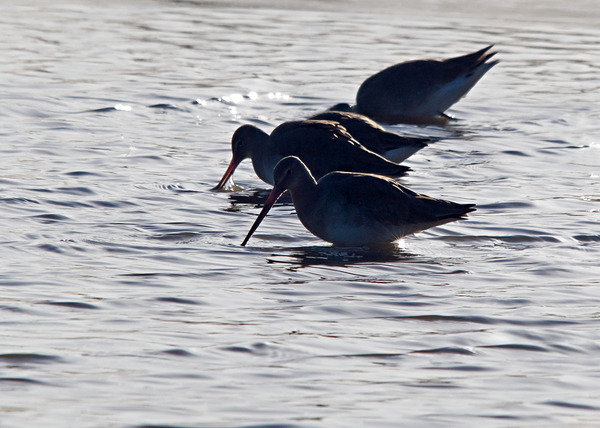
point(146, 158)
point(525, 238)
point(177, 300)
point(270, 425)
point(40, 190)
point(14, 309)
point(177, 352)
point(446, 350)
point(376, 355)
point(74, 305)
point(508, 239)
point(516, 153)
point(437, 384)
point(477, 319)
point(50, 248)
point(21, 380)
point(176, 236)
point(16, 201)
point(113, 204)
point(502, 417)
point(26, 358)
point(518, 347)
point(587, 238)
point(82, 174)
point(116, 107)
point(447, 318)
point(77, 191)
point(50, 218)
point(239, 349)
point(568, 405)
point(69, 204)
point(464, 368)
point(165, 106)
point(100, 110)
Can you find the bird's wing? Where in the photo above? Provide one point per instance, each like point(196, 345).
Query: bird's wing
point(326, 146)
point(387, 201)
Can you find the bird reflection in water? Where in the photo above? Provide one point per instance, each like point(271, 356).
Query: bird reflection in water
point(342, 256)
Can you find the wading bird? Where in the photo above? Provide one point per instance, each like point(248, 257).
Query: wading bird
point(419, 91)
point(352, 209)
point(323, 146)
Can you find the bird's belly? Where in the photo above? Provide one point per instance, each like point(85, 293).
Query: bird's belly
point(348, 230)
point(400, 154)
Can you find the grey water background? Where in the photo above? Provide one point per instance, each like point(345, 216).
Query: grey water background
point(126, 299)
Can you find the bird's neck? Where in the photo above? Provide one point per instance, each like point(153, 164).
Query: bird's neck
point(304, 192)
point(263, 157)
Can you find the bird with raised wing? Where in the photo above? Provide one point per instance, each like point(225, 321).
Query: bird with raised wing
point(353, 209)
point(420, 91)
point(323, 146)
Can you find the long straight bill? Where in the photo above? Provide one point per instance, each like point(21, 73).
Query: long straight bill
point(228, 173)
point(273, 196)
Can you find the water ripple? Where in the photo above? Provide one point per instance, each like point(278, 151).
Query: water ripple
point(446, 350)
point(518, 347)
point(482, 320)
point(573, 406)
point(177, 352)
point(77, 191)
point(118, 120)
point(22, 380)
point(178, 300)
point(74, 305)
point(28, 358)
point(17, 201)
point(51, 218)
point(83, 174)
point(267, 425)
point(463, 368)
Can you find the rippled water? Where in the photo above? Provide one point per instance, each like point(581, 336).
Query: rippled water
point(127, 301)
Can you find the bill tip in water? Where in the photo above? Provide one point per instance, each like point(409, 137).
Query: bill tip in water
point(246, 239)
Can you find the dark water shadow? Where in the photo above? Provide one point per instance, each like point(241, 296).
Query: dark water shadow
point(18, 359)
point(70, 304)
point(571, 405)
point(21, 380)
point(341, 256)
point(267, 425)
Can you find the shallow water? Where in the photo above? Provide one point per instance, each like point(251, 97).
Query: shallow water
point(125, 296)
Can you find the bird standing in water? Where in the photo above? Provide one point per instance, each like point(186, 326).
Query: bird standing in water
point(419, 91)
point(353, 209)
point(323, 146)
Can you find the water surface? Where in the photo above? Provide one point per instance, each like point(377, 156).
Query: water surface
point(125, 296)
